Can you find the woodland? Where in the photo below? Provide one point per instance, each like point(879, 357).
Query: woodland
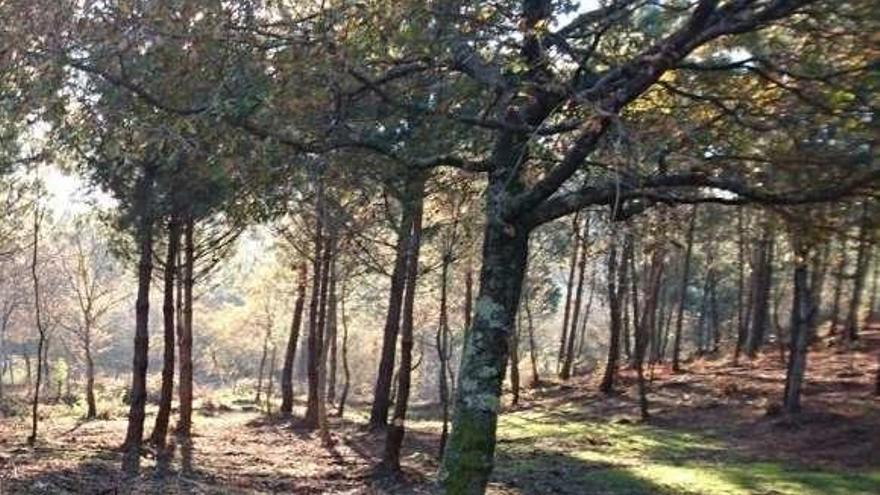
point(440, 246)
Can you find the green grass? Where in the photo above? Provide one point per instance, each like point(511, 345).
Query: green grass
point(552, 452)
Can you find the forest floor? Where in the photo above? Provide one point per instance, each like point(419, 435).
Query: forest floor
point(714, 430)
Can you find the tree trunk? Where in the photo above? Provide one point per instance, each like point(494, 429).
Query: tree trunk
point(741, 318)
point(468, 460)
point(290, 353)
point(682, 291)
point(855, 302)
point(271, 381)
point(616, 290)
point(533, 350)
point(582, 239)
point(514, 361)
point(38, 214)
point(92, 408)
point(185, 339)
point(385, 374)
point(331, 334)
point(573, 263)
point(801, 317)
point(649, 313)
point(397, 429)
point(160, 428)
point(315, 340)
point(763, 284)
point(838, 287)
point(264, 356)
point(442, 341)
point(138, 393)
point(346, 371)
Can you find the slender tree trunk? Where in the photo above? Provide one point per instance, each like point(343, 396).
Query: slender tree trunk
point(616, 290)
point(533, 348)
point(346, 371)
point(271, 381)
point(682, 291)
point(92, 408)
point(264, 356)
point(385, 375)
point(397, 429)
point(321, 398)
point(572, 270)
point(292, 341)
point(160, 428)
point(331, 334)
point(624, 311)
point(38, 216)
point(185, 339)
point(514, 362)
point(741, 317)
point(138, 393)
point(442, 341)
point(315, 330)
point(838, 287)
point(582, 335)
point(763, 285)
point(875, 280)
point(801, 317)
point(565, 373)
point(652, 290)
point(855, 302)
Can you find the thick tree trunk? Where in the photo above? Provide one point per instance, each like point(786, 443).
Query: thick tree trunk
point(572, 270)
point(185, 339)
point(468, 460)
point(292, 341)
point(397, 428)
point(582, 239)
point(385, 374)
point(138, 394)
point(682, 291)
point(160, 428)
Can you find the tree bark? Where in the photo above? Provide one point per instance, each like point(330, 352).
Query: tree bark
point(533, 348)
point(649, 313)
point(185, 339)
point(41, 330)
point(514, 362)
point(572, 270)
point(855, 302)
point(763, 284)
point(468, 460)
point(138, 393)
point(397, 429)
point(802, 315)
point(292, 341)
point(442, 341)
point(741, 318)
point(616, 290)
point(315, 339)
point(682, 291)
point(385, 374)
point(582, 239)
point(346, 371)
point(331, 334)
point(840, 276)
point(160, 428)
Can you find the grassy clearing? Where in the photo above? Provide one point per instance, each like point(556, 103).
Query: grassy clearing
point(552, 452)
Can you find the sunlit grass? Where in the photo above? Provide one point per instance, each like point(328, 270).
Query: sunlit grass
point(551, 451)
